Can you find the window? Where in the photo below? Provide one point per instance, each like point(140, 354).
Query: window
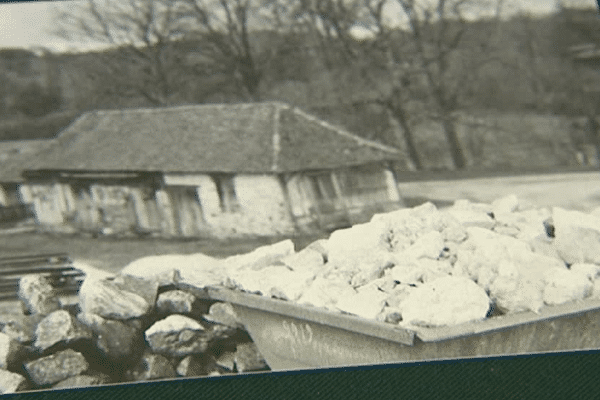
point(364, 185)
point(323, 187)
point(226, 190)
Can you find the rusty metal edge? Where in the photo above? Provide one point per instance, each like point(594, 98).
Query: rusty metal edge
point(318, 315)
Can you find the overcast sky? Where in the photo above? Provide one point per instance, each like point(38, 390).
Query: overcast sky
point(25, 24)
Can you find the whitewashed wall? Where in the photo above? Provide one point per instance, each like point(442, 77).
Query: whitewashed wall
point(48, 201)
point(262, 210)
point(190, 205)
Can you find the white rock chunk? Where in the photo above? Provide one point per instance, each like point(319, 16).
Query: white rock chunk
point(38, 294)
point(366, 303)
point(591, 271)
point(544, 245)
point(124, 297)
point(469, 214)
point(197, 269)
point(563, 286)
point(308, 259)
point(347, 248)
point(445, 301)
point(484, 250)
point(175, 301)
point(325, 293)
point(293, 287)
point(261, 257)
point(277, 281)
point(59, 326)
point(577, 236)
point(513, 295)
point(434, 269)
point(430, 245)
point(397, 296)
point(403, 227)
point(174, 323)
point(11, 382)
point(372, 267)
point(162, 268)
point(409, 272)
point(177, 336)
point(505, 205)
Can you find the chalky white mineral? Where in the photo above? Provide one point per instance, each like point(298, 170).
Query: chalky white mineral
point(445, 301)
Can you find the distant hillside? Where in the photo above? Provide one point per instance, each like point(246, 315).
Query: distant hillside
point(36, 128)
point(530, 68)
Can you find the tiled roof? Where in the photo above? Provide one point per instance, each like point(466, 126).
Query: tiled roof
point(252, 138)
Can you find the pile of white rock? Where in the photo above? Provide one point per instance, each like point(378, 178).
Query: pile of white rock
point(419, 266)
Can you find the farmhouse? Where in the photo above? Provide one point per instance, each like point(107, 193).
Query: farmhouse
point(210, 170)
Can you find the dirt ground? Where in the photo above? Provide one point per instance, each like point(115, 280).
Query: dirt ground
point(575, 190)
point(580, 191)
point(112, 254)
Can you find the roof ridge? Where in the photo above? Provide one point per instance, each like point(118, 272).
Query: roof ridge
point(80, 118)
point(345, 133)
point(276, 139)
point(180, 107)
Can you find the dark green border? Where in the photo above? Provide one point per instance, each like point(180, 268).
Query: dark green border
point(571, 375)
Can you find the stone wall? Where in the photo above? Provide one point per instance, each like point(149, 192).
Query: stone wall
point(122, 329)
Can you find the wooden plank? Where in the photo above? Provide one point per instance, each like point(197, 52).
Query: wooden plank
point(14, 286)
point(54, 278)
point(34, 270)
point(57, 262)
point(57, 266)
point(26, 258)
point(12, 295)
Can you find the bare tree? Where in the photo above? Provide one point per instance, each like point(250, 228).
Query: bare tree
point(416, 47)
point(375, 71)
point(581, 27)
point(437, 29)
point(155, 38)
point(141, 58)
point(236, 37)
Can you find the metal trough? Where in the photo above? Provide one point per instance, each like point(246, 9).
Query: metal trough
point(292, 336)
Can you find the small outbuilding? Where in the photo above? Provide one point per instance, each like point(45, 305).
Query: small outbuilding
point(258, 169)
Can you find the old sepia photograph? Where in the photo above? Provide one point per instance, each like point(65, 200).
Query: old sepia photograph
point(199, 189)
